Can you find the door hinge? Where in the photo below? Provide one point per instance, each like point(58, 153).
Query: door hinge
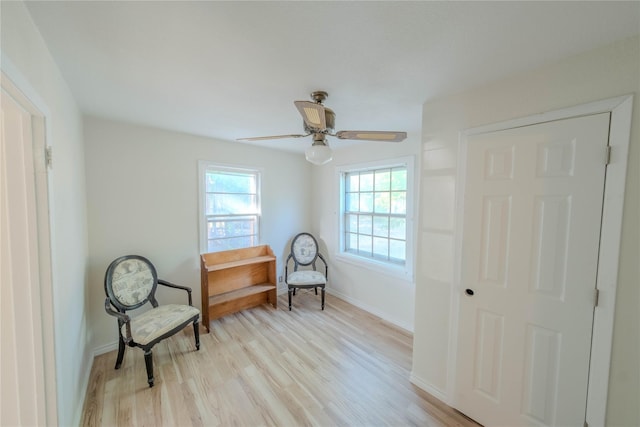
point(48, 156)
point(608, 158)
point(597, 298)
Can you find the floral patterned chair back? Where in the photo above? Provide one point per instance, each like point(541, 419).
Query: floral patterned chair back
point(131, 282)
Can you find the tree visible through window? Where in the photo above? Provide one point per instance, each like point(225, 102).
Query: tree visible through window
point(231, 208)
point(375, 214)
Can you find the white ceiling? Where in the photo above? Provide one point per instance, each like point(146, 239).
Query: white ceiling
point(233, 69)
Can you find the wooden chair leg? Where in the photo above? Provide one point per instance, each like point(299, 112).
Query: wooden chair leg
point(290, 291)
point(196, 332)
point(148, 361)
point(316, 289)
point(121, 348)
point(322, 297)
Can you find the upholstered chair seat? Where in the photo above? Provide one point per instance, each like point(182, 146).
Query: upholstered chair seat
point(306, 278)
point(158, 322)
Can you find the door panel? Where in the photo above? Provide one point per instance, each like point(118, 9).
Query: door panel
point(531, 229)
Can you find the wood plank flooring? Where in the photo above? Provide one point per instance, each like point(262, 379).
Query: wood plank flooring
point(267, 367)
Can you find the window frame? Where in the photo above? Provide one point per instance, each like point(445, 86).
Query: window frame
point(203, 167)
point(389, 268)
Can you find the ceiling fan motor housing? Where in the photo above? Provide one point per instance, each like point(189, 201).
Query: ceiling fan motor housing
point(330, 119)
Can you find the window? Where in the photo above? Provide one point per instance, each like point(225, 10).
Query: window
point(230, 207)
point(375, 217)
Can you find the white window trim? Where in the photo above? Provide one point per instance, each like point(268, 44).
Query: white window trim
point(203, 166)
point(405, 272)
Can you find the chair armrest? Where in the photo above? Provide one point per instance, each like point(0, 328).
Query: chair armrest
point(173, 285)
point(121, 316)
point(122, 319)
point(326, 266)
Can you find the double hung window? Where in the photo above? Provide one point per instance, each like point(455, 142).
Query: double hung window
point(230, 207)
point(375, 223)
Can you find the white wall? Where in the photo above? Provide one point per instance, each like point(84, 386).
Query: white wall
point(142, 195)
point(30, 66)
point(388, 297)
point(602, 73)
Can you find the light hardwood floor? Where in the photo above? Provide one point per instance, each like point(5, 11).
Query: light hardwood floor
point(341, 366)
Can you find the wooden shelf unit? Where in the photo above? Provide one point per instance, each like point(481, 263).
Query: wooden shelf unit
point(235, 280)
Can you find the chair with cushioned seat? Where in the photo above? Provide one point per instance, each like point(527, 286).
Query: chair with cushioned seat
point(130, 282)
point(305, 253)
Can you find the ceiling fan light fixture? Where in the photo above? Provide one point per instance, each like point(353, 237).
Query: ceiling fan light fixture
point(319, 153)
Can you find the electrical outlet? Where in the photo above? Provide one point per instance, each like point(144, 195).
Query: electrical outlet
point(279, 279)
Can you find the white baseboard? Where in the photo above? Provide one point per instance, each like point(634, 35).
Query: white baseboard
point(372, 310)
point(425, 386)
point(105, 348)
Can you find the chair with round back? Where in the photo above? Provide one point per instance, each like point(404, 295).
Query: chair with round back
point(130, 282)
point(305, 254)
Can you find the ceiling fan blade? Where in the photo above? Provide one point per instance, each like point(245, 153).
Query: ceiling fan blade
point(262, 138)
point(372, 135)
point(313, 114)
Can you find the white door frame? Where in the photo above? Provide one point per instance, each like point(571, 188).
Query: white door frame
point(607, 277)
point(42, 286)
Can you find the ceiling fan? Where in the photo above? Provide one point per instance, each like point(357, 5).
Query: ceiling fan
point(319, 121)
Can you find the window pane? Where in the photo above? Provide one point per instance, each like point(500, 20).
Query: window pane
point(352, 182)
point(351, 223)
point(382, 203)
point(397, 250)
point(223, 204)
point(366, 202)
point(352, 242)
point(399, 179)
point(383, 180)
point(353, 202)
point(397, 227)
point(208, 210)
point(399, 202)
point(366, 181)
point(365, 224)
point(220, 228)
point(380, 248)
point(381, 226)
point(364, 245)
point(234, 243)
point(221, 182)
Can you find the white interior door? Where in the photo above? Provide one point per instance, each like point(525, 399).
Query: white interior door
point(531, 230)
point(22, 390)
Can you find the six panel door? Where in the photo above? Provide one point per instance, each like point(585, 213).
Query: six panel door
point(531, 230)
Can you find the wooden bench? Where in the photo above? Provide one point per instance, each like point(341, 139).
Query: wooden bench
point(236, 280)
